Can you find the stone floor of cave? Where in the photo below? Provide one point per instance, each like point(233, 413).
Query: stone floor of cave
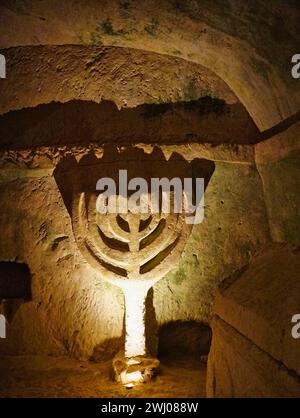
point(41, 376)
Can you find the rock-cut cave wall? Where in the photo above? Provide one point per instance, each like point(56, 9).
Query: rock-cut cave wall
point(120, 68)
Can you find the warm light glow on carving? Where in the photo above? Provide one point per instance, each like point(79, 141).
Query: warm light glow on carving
point(132, 251)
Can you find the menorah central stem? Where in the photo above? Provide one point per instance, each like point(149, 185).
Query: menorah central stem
point(135, 313)
point(136, 366)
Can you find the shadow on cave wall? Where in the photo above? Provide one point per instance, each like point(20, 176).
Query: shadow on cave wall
point(184, 338)
point(206, 120)
point(176, 339)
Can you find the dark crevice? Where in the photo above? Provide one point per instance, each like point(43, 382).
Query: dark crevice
point(15, 281)
point(113, 242)
point(81, 122)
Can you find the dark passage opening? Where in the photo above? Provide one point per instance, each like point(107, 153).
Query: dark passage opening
point(190, 339)
point(15, 287)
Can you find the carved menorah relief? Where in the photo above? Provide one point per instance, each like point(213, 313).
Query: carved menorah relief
point(132, 250)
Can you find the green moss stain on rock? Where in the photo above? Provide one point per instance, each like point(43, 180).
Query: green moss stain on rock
point(260, 67)
point(206, 105)
point(175, 51)
point(234, 228)
point(108, 29)
point(152, 27)
point(125, 4)
point(179, 276)
point(191, 91)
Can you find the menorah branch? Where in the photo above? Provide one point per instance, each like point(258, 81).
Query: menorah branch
point(133, 251)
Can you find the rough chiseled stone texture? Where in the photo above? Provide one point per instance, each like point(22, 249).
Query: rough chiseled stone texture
point(234, 227)
point(237, 368)
point(253, 352)
point(54, 377)
point(248, 44)
point(63, 286)
point(71, 311)
point(281, 182)
point(115, 95)
point(128, 77)
point(135, 55)
point(79, 122)
point(278, 163)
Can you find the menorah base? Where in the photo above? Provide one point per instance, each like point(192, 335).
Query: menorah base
point(130, 371)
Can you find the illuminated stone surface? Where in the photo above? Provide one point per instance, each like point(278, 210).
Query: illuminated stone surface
point(208, 80)
point(249, 45)
point(253, 352)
